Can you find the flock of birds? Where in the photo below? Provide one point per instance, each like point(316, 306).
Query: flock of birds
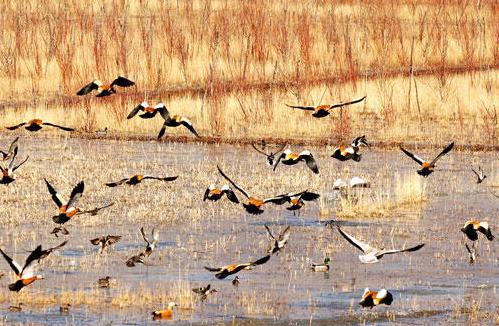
point(68, 209)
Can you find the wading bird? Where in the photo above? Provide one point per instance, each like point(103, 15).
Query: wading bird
point(151, 244)
point(270, 156)
point(371, 254)
point(149, 111)
point(105, 90)
point(345, 153)
point(291, 158)
point(204, 291)
point(8, 176)
point(224, 271)
point(24, 274)
point(371, 298)
point(36, 124)
point(427, 167)
point(278, 242)
point(214, 194)
point(479, 175)
point(324, 267)
point(324, 110)
point(165, 313)
point(5, 156)
point(253, 205)
point(138, 178)
point(105, 241)
point(175, 121)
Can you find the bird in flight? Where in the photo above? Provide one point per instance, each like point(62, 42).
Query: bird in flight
point(25, 274)
point(480, 175)
point(427, 167)
point(224, 271)
point(270, 156)
point(149, 111)
point(322, 111)
point(175, 121)
point(105, 90)
point(371, 299)
point(291, 158)
point(214, 194)
point(277, 242)
point(138, 178)
point(5, 156)
point(8, 176)
point(37, 124)
point(105, 241)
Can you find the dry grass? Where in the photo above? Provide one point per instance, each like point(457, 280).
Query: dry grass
point(231, 65)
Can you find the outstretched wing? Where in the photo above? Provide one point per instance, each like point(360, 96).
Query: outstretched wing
point(346, 103)
point(308, 108)
point(76, 193)
point(15, 266)
point(35, 255)
point(284, 236)
point(95, 210)
point(212, 269)
point(445, 151)
point(117, 183)
point(136, 110)
point(57, 126)
point(58, 246)
point(279, 160)
point(310, 161)
point(269, 232)
point(476, 173)
point(17, 166)
point(278, 200)
point(16, 126)
point(163, 111)
point(87, 88)
point(144, 235)
point(259, 150)
point(122, 82)
point(232, 196)
point(55, 196)
point(260, 261)
point(162, 131)
point(308, 196)
point(233, 183)
point(13, 147)
point(161, 179)
point(186, 123)
point(362, 246)
point(394, 251)
point(414, 157)
point(155, 236)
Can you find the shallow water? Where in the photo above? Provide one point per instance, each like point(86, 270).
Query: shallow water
point(433, 285)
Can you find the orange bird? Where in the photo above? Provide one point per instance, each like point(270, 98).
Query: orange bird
point(105, 90)
point(36, 124)
point(322, 111)
point(24, 274)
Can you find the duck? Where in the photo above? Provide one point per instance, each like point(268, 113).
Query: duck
point(165, 313)
point(17, 308)
point(8, 176)
point(214, 193)
point(175, 121)
point(67, 210)
point(151, 244)
point(105, 90)
point(224, 271)
point(204, 291)
point(371, 299)
point(371, 254)
point(137, 259)
point(138, 178)
point(345, 153)
point(149, 111)
point(289, 157)
point(46, 252)
point(253, 205)
point(297, 200)
point(479, 175)
point(13, 148)
point(59, 229)
point(37, 124)
point(324, 267)
point(270, 156)
point(322, 111)
point(64, 308)
point(278, 242)
point(427, 167)
point(105, 241)
point(24, 274)
point(101, 132)
point(472, 227)
point(235, 281)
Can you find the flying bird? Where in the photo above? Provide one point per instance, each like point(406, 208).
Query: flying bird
point(165, 313)
point(224, 271)
point(253, 205)
point(204, 291)
point(36, 124)
point(427, 167)
point(291, 158)
point(324, 110)
point(24, 274)
point(472, 227)
point(175, 121)
point(105, 241)
point(270, 156)
point(372, 298)
point(371, 254)
point(105, 90)
point(297, 200)
point(67, 209)
point(8, 175)
point(151, 244)
point(46, 252)
point(138, 178)
point(149, 111)
point(11, 152)
point(345, 153)
point(480, 175)
point(278, 242)
point(137, 259)
point(214, 194)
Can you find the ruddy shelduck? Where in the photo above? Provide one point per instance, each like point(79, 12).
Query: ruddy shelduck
point(427, 167)
point(105, 89)
point(321, 111)
point(24, 274)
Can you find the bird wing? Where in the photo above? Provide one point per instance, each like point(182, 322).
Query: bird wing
point(76, 193)
point(17, 166)
point(260, 261)
point(16, 126)
point(310, 161)
point(414, 157)
point(362, 246)
point(232, 196)
point(233, 183)
point(35, 255)
point(155, 236)
point(278, 200)
point(96, 241)
point(259, 150)
point(144, 236)
point(478, 175)
point(95, 210)
point(308, 196)
point(308, 108)
point(394, 251)
point(57, 126)
point(269, 232)
point(284, 236)
point(112, 239)
point(445, 151)
point(136, 110)
point(13, 264)
point(58, 246)
point(162, 131)
point(346, 103)
point(122, 82)
point(163, 111)
point(87, 88)
point(186, 123)
point(213, 269)
point(117, 183)
point(162, 178)
point(55, 196)
point(14, 146)
point(279, 160)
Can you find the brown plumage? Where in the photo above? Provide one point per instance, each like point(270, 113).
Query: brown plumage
point(37, 124)
point(105, 90)
point(138, 178)
point(24, 274)
point(175, 121)
point(105, 241)
point(324, 110)
point(224, 271)
point(214, 194)
point(291, 158)
point(371, 299)
point(472, 227)
point(67, 210)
